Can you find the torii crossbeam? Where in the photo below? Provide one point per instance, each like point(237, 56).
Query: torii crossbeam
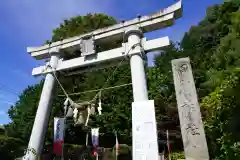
point(132, 31)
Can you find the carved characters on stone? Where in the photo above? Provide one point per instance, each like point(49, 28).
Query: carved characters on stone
point(194, 140)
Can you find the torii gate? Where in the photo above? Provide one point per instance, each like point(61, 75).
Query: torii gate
point(143, 114)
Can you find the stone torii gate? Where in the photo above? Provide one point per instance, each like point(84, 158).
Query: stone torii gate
point(143, 114)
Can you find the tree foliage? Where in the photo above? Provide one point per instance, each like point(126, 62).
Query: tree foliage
point(23, 112)
point(213, 47)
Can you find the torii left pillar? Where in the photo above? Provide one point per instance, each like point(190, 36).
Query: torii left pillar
point(42, 116)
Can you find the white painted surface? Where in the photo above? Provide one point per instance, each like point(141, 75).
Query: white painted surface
point(59, 129)
point(101, 57)
point(144, 138)
point(43, 112)
point(193, 136)
point(138, 74)
point(148, 23)
point(145, 145)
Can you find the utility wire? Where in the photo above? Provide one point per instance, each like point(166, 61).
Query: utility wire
point(104, 85)
point(7, 89)
point(119, 64)
point(108, 79)
point(95, 90)
point(7, 101)
point(8, 92)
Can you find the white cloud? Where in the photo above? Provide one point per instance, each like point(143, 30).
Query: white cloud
point(24, 76)
point(2, 113)
point(3, 102)
point(37, 18)
point(34, 20)
point(4, 119)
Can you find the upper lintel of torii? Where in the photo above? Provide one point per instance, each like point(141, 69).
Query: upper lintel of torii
point(158, 20)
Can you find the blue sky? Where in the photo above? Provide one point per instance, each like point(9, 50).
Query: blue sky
point(30, 22)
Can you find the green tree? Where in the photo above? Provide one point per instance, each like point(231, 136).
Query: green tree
point(212, 46)
point(23, 112)
point(114, 101)
point(10, 148)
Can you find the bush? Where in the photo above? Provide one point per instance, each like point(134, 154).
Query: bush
point(177, 155)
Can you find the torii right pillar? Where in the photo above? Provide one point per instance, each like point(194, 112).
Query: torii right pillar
point(193, 136)
point(144, 130)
